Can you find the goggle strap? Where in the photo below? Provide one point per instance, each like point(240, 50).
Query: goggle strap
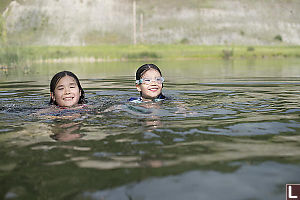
point(138, 81)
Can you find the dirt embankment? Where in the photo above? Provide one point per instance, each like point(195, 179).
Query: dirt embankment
point(209, 22)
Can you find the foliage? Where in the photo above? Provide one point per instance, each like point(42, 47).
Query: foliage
point(3, 37)
point(227, 54)
point(250, 49)
point(143, 55)
point(184, 41)
point(278, 37)
point(102, 53)
point(9, 55)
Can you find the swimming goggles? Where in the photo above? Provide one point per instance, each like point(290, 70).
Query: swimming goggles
point(147, 81)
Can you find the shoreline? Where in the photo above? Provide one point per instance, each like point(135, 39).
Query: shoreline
point(114, 53)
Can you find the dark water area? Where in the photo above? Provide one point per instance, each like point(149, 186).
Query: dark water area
point(229, 130)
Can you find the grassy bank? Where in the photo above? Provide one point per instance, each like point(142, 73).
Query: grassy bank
point(9, 55)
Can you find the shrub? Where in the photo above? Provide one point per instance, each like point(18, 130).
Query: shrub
point(143, 55)
point(9, 56)
point(227, 54)
point(250, 49)
point(278, 37)
point(184, 41)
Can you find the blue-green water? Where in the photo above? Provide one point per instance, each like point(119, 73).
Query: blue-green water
point(231, 130)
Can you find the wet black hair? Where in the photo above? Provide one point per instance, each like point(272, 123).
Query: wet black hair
point(56, 79)
point(142, 70)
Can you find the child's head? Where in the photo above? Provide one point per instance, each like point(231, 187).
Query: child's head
point(149, 82)
point(65, 90)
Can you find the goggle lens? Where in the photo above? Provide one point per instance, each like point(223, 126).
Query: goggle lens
point(147, 81)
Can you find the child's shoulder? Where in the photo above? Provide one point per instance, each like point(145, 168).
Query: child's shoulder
point(161, 97)
point(62, 112)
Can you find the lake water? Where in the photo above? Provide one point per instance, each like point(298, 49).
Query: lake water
point(231, 130)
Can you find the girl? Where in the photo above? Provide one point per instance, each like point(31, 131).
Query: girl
point(65, 90)
point(149, 82)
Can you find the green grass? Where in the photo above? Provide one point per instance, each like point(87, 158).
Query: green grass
point(141, 52)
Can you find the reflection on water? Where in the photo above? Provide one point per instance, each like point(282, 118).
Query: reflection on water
point(213, 184)
point(227, 127)
point(66, 131)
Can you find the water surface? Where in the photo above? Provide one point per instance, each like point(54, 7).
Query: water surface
point(229, 131)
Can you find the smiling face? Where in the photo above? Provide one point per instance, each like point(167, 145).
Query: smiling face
point(153, 89)
point(66, 92)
